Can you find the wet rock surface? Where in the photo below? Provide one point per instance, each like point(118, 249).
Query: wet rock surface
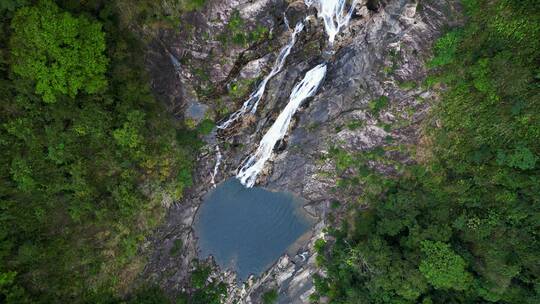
point(382, 52)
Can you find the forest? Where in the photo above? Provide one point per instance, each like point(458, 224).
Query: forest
point(87, 154)
point(462, 224)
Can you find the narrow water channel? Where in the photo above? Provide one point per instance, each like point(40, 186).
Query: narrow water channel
point(248, 229)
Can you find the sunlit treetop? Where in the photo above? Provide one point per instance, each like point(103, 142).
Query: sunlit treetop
point(61, 53)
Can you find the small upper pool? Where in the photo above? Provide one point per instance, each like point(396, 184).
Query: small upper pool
point(248, 229)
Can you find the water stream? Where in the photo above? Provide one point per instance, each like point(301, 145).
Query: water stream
point(248, 173)
point(251, 104)
point(335, 17)
point(216, 166)
point(334, 14)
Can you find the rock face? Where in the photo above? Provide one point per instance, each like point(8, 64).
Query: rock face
point(202, 53)
point(382, 53)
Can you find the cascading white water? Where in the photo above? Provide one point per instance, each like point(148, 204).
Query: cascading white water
point(248, 173)
point(334, 15)
point(176, 63)
point(252, 102)
point(216, 166)
point(286, 21)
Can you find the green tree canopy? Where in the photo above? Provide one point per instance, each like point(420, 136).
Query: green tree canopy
point(62, 54)
point(461, 226)
point(442, 267)
point(82, 180)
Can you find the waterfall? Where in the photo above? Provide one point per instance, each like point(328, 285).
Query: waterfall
point(286, 21)
point(333, 14)
point(176, 64)
point(248, 173)
point(335, 17)
point(216, 166)
point(252, 102)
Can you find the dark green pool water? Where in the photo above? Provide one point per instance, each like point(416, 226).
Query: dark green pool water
point(248, 229)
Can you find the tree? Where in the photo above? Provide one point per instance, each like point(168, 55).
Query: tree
point(462, 225)
point(11, 5)
point(81, 179)
point(270, 296)
point(62, 54)
point(443, 268)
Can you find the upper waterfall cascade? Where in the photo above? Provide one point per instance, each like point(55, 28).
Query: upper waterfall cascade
point(216, 166)
point(334, 14)
point(248, 173)
point(335, 17)
point(252, 102)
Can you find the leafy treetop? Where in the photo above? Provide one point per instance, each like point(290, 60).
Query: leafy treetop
point(62, 54)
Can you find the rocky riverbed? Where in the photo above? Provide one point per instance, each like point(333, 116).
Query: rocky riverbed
point(381, 54)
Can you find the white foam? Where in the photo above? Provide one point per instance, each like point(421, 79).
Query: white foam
point(248, 173)
point(334, 15)
point(216, 166)
point(251, 104)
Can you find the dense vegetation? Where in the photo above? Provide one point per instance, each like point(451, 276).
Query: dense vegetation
point(461, 226)
point(87, 155)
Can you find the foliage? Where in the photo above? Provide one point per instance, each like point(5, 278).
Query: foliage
point(149, 295)
point(270, 297)
point(177, 247)
point(60, 53)
point(11, 5)
point(207, 291)
point(241, 88)
point(87, 155)
point(355, 124)
point(462, 226)
point(407, 85)
point(145, 294)
point(236, 26)
point(442, 267)
point(240, 34)
point(155, 14)
point(378, 104)
point(205, 127)
point(446, 48)
point(191, 5)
